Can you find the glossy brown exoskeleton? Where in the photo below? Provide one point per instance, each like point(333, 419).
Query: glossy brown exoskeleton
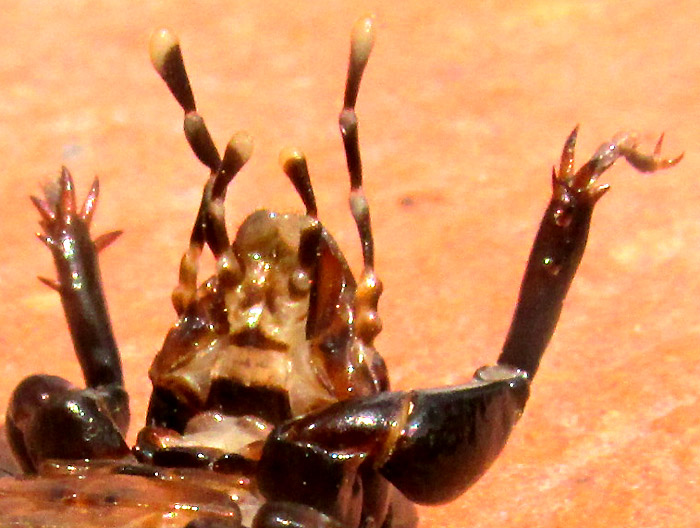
point(271, 406)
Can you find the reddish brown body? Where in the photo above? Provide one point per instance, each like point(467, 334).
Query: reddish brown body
point(271, 406)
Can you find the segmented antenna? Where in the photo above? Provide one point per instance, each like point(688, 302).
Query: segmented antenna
point(362, 40)
point(237, 153)
point(294, 166)
point(209, 226)
point(369, 288)
point(166, 57)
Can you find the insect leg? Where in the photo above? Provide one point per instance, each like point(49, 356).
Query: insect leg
point(48, 419)
point(430, 444)
point(433, 444)
point(560, 243)
point(80, 286)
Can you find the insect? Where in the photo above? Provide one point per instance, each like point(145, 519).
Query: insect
point(271, 406)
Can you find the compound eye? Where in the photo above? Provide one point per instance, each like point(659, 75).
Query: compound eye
point(299, 283)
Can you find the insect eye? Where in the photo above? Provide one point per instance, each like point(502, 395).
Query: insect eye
point(299, 282)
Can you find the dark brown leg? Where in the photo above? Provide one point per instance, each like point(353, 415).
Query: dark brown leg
point(433, 444)
point(560, 243)
point(47, 416)
point(430, 444)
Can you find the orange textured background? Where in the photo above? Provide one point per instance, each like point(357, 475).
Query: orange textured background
point(463, 110)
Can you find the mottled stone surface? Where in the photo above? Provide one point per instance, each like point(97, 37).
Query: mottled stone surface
point(463, 111)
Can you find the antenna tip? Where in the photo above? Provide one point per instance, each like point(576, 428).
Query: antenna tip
point(362, 39)
point(240, 146)
point(289, 157)
point(162, 43)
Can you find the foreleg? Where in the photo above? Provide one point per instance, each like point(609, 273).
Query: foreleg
point(560, 243)
point(433, 444)
point(48, 417)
